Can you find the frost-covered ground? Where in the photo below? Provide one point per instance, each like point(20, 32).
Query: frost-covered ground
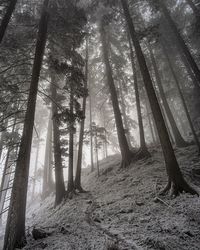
point(121, 208)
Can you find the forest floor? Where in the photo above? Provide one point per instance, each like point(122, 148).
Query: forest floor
point(121, 209)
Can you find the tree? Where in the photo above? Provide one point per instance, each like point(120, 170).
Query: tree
point(37, 146)
point(181, 96)
point(143, 146)
point(6, 19)
point(59, 179)
point(77, 181)
point(47, 175)
point(70, 184)
point(91, 142)
point(180, 142)
point(15, 228)
point(127, 155)
point(175, 177)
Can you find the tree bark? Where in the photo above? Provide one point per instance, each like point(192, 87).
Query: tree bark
point(35, 168)
point(2, 139)
point(126, 154)
point(4, 183)
point(143, 146)
point(151, 121)
point(6, 19)
point(77, 181)
point(175, 177)
point(97, 153)
point(70, 185)
point(59, 178)
point(124, 115)
point(180, 41)
point(151, 125)
point(179, 141)
point(91, 135)
point(15, 228)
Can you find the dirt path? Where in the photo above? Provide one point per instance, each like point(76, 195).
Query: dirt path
point(114, 238)
point(74, 226)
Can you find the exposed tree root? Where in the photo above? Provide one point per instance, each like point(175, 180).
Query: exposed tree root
point(142, 153)
point(176, 188)
point(126, 162)
point(80, 189)
point(166, 188)
point(21, 244)
point(71, 193)
point(133, 156)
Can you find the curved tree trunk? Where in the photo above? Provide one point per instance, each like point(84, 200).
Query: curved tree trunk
point(179, 141)
point(6, 19)
point(77, 181)
point(126, 154)
point(15, 228)
point(59, 178)
point(175, 177)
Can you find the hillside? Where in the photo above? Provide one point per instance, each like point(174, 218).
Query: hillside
point(121, 210)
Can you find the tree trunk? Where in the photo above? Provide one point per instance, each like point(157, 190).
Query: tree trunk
point(180, 41)
point(196, 90)
point(59, 178)
point(47, 178)
point(2, 138)
point(151, 122)
point(179, 141)
point(77, 181)
point(6, 19)
point(126, 154)
point(97, 153)
point(15, 228)
point(175, 178)
point(105, 143)
point(50, 180)
point(123, 108)
point(143, 146)
point(91, 135)
point(70, 185)
point(4, 183)
point(35, 168)
point(196, 139)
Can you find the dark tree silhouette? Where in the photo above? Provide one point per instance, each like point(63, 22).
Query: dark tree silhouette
point(175, 177)
point(77, 181)
point(126, 154)
point(6, 19)
point(15, 228)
